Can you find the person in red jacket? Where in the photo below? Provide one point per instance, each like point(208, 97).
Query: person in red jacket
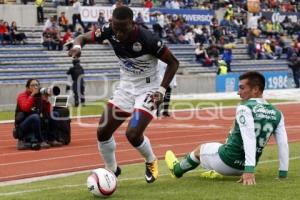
point(32, 108)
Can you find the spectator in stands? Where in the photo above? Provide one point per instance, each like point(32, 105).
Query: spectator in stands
point(202, 56)
point(76, 15)
point(189, 36)
point(90, 26)
point(57, 3)
point(279, 45)
point(296, 45)
point(175, 4)
point(259, 50)
point(17, 37)
point(68, 36)
point(277, 28)
point(269, 28)
point(294, 64)
point(228, 13)
point(170, 33)
point(222, 68)
point(5, 34)
point(269, 53)
point(52, 39)
point(253, 20)
point(251, 50)
point(213, 52)
point(168, 4)
point(287, 25)
point(139, 20)
point(227, 55)
point(199, 35)
point(78, 32)
point(117, 4)
point(158, 26)
point(189, 4)
point(33, 108)
point(64, 22)
point(39, 9)
point(77, 73)
point(101, 20)
point(51, 22)
point(88, 2)
point(148, 4)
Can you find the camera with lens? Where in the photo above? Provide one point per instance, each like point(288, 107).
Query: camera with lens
point(50, 91)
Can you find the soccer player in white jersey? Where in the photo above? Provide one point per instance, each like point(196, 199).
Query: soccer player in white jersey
point(255, 121)
point(140, 91)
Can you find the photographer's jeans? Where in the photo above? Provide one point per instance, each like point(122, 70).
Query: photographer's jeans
point(32, 124)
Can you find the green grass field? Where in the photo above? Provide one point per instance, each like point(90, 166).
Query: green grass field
point(132, 185)
point(96, 108)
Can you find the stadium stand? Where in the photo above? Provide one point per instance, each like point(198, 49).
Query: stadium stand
point(19, 62)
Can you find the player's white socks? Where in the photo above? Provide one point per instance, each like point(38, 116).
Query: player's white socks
point(107, 150)
point(145, 150)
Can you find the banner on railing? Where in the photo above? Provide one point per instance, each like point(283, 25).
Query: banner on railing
point(192, 16)
point(279, 16)
point(195, 17)
point(274, 80)
point(91, 13)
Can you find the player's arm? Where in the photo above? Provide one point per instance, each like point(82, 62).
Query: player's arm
point(172, 67)
point(81, 40)
point(283, 148)
point(245, 121)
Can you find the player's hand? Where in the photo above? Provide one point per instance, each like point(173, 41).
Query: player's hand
point(35, 91)
point(157, 98)
point(247, 179)
point(75, 52)
point(45, 97)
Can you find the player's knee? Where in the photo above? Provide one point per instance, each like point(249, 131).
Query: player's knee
point(197, 151)
point(134, 137)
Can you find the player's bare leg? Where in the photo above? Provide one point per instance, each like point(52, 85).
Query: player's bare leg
point(138, 123)
point(111, 119)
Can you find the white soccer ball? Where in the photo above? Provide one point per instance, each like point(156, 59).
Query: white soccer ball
point(102, 182)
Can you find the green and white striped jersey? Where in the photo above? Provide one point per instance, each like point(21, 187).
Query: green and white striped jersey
point(256, 120)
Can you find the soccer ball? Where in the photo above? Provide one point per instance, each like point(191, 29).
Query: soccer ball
point(102, 182)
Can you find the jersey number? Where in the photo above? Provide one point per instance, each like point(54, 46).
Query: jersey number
point(266, 128)
point(148, 102)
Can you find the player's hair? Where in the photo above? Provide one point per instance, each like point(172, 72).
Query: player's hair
point(254, 79)
point(30, 80)
point(122, 13)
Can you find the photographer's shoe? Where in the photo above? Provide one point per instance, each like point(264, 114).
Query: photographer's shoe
point(35, 146)
point(55, 143)
point(21, 145)
point(45, 145)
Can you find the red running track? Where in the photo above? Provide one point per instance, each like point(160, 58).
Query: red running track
point(181, 133)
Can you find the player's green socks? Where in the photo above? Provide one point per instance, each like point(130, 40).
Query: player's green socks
point(188, 163)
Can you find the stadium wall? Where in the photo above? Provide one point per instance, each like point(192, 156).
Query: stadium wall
point(96, 90)
point(24, 15)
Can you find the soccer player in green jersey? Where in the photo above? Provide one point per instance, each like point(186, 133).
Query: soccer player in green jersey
point(255, 121)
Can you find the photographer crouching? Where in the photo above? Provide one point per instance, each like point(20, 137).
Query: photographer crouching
point(32, 118)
